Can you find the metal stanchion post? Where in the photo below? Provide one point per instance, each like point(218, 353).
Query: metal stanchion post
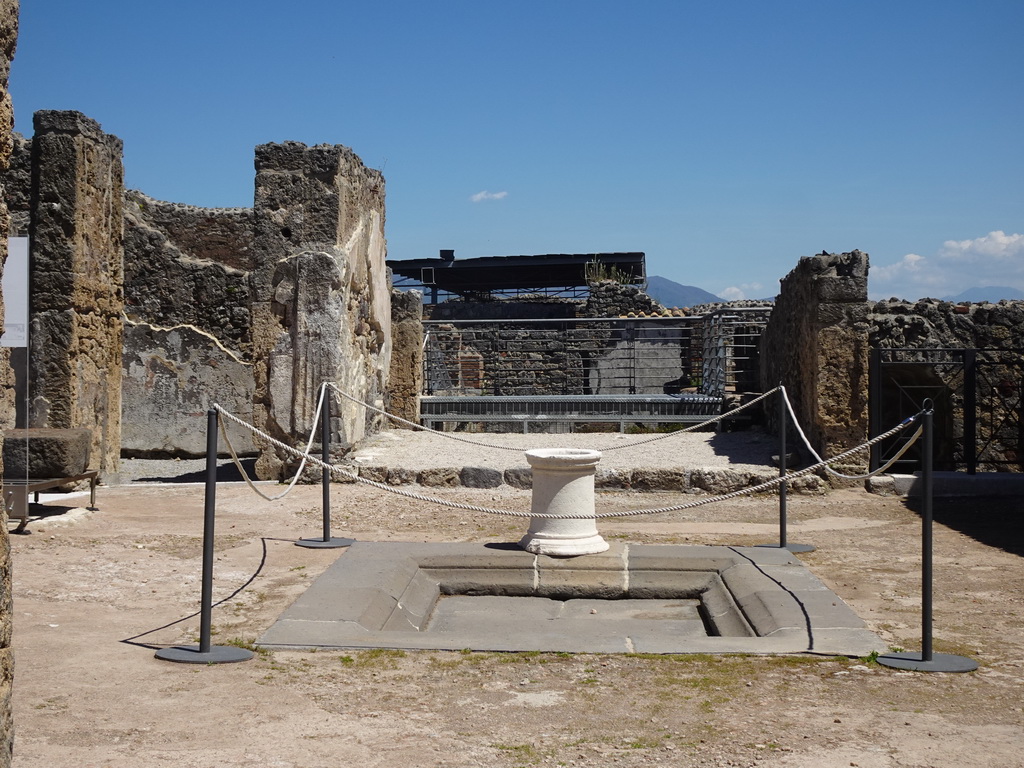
point(783, 426)
point(205, 653)
point(325, 479)
point(926, 661)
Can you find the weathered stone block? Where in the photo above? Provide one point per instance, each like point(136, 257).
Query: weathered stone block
point(480, 477)
point(440, 477)
point(613, 479)
point(659, 480)
point(44, 453)
point(519, 477)
point(400, 476)
point(374, 474)
point(719, 480)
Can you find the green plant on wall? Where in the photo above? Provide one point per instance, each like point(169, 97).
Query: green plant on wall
point(598, 271)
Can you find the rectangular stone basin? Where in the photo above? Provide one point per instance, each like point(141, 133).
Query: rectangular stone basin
point(631, 599)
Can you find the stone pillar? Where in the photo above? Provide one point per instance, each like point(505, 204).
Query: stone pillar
point(816, 343)
point(8, 39)
point(77, 295)
point(321, 293)
point(405, 380)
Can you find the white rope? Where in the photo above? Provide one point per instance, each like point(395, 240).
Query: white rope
point(305, 454)
point(450, 436)
point(825, 462)
point(334, 469)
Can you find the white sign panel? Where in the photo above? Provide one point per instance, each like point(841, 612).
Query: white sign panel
point(15, 287)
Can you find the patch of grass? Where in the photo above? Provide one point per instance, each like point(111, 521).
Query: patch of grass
point(385, 658)
point(249, 645)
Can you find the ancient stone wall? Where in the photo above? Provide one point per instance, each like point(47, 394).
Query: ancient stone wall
point(8, 39)
point(321, 291)
point(931, 323)
point(18, 186)
point(185, 265)
point(992, 329)
point(816, 343)
point(405, 379)
point(608, 298)
point(188, 334)
point(77, 280)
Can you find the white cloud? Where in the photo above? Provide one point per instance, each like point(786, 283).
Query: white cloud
point(738, 292)
point(485, 195)
point(997, 259)
point(995, 248)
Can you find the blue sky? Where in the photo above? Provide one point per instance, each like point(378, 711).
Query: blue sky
point(725, 140)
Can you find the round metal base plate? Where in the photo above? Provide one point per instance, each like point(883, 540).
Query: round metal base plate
point(792, 547)
point(331, 543)
point(218, 654)
point(939, 662)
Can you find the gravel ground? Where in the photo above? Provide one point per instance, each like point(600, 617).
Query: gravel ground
point(749, 450)
point(416, 450)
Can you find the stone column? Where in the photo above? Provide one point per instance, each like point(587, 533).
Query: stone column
point(77, 275)
point(816, 343)
point(321, 293)
point(8, 39)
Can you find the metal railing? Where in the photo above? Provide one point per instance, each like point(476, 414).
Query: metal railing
point(979, 393)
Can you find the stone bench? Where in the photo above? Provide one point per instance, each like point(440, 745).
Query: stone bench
point(39, 459)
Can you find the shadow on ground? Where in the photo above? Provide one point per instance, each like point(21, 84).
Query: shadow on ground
point(993, 521)
point(227, 472)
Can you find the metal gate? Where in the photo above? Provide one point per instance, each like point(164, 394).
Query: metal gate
point(977, 396)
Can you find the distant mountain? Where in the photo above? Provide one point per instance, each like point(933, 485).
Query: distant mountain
point(672, 294)
point(990, 293)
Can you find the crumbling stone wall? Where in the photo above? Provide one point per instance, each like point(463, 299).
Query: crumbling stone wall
point(932, 324)
point(77, 280)
point(189, 266)
point(608, 298)
point(8, 39)
point(405, 378)
point(816, 344)
point(188, 334)
point(321, 291)
point(18, 186)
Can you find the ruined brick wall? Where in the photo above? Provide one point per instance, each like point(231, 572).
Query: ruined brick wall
point(8, 39)
point(611, 299)
point(405, 378)
point(816, 343)
point(932, 324)
point(185, 265)
point(77, 280)
point(188, 334)
point(18, 186)
point(321, 291)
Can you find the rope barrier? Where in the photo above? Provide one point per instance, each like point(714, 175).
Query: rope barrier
point(335, 469)
point(302, 464)
point(825, 462)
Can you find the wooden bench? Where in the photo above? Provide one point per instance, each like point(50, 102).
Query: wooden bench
point(17, 489)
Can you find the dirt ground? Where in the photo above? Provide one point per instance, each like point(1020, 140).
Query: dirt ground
point(95, 592)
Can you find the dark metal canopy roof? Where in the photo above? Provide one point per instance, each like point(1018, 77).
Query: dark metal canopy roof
point(500, 273)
